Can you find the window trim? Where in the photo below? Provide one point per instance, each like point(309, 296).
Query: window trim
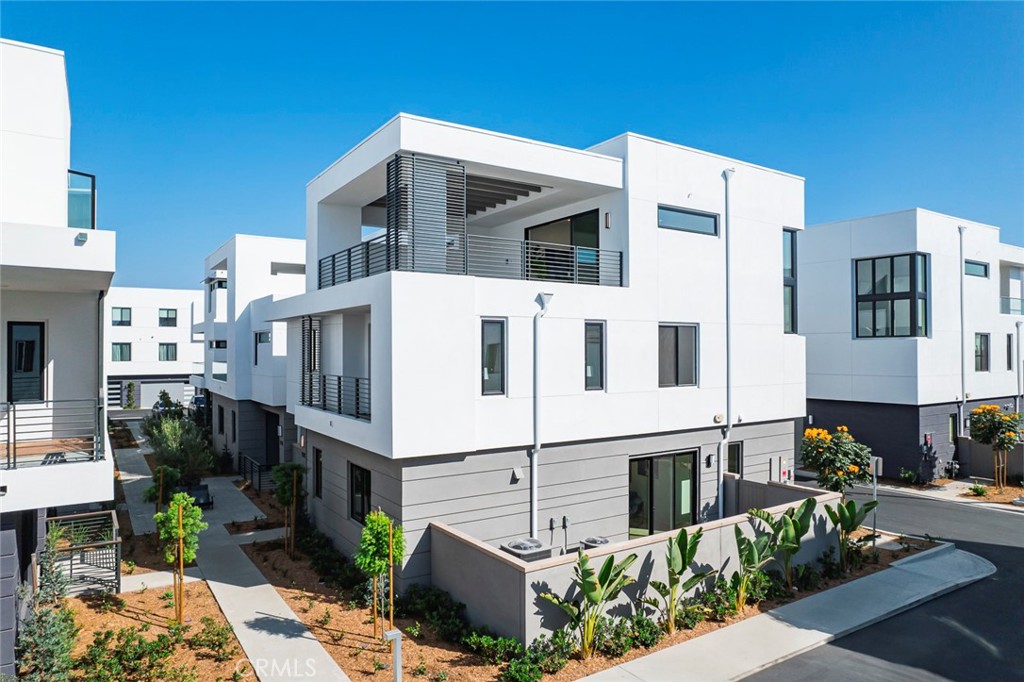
point(124, 344)
point(161, 318)
point(696, 354)
point(914, 295)
point(985, 357)
point(120, 322)
point(790, 282)
point(359, 516)
point(983, 264)
point(484, 321)
point(160, 348)
point(689, 211)
point(603, 355)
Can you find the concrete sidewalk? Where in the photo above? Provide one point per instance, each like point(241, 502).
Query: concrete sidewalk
point(739, 650)
point(135, 478)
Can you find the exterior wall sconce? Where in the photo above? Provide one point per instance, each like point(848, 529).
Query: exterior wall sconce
point(607, 220)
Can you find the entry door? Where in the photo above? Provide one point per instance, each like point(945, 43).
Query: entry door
point(273, 451)
point(662, 493)
point(25, 361)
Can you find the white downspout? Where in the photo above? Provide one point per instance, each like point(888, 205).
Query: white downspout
point(542, 300)
point(723, 446)
point(963, 341)
point(1020, 387)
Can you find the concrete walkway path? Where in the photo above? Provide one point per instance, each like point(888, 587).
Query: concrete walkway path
point(739, 650)
point(135, 478)
point(156, 579)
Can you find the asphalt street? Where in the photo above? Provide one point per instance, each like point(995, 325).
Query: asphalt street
point(975, 633)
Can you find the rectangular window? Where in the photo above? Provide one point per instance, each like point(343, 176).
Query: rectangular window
point(952, 428)
point(493, 357)
point(593, 352)
point(121, 352)
point(168, 317)
point(168, 352)
point(26, 361)
point(975, 268)
point(258, 338)
point(662, 493)
point(218, 344)
point(735, 460)
point(318, 473)
point(1009, 352)
point(677, 355)
point(981, 352)
point(892, 296)
point(220, 419)
point(358, 492)
point(234, 426)
point(789, 281)
point(121, 317)
point(686, 220)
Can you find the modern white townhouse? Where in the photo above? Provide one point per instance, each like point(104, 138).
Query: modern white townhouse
point(55, 269)
point(521, 339)
point(154, 344)
point(912, 319)
point(244, 370)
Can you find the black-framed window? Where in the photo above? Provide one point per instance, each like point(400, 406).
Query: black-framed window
point(789, 316)
point(1009, 352)
point(168, 317)
point(121, 352)
point(892, 295)
point(677, 355)
point(257, 339)
point(218, 344)
point(952, 427)
point(687, 220)
point(358, 492)
point(981, 352)
point(318, 473)
point(975, 268)
point(168, 352)
point(220, 419)
point(593, 352)
point(121, 317)
point(734, 460)
point(662, 493)
point(26, 361)
point(234, 426)
point(492, 361)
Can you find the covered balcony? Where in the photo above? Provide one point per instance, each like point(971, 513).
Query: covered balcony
point(335, 363)
point(1011, 288)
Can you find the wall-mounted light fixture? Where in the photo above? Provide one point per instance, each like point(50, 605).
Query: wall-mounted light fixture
point(709, 461)
point(81, 238)
point(607, 220)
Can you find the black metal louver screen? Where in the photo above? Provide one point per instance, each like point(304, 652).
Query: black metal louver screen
point(311, 392)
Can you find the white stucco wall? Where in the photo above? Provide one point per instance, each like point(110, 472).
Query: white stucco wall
point(145, 333)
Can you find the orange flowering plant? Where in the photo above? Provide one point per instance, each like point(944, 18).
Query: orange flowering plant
point(991, 426)
point(841, 461)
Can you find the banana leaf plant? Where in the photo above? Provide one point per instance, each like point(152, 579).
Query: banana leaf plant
point(847, 517)
point(754, 554)
point(678, 558)
point(594, 591)
point(788, 530)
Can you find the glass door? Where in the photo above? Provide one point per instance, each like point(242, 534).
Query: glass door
point(662, 493)
point(25, 361)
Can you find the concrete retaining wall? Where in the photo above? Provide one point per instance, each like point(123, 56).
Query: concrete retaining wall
point(976, 460)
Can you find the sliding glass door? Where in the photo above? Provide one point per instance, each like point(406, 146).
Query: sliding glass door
point(662, 493)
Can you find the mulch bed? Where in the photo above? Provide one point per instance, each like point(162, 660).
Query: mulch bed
point(121, 436)
point(266, 503)
point(96, 613)
point(347, 633)
point(992, 494)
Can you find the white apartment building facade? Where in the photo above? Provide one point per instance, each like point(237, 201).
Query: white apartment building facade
point(543, 341)
point(244, 351)
point(55, 269)
point(911, 320)
point(152, 344)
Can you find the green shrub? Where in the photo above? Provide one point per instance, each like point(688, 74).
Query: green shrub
point(765, 585)
point(978, 490)
point(45, 643)
point(830, 568)
point(126, 656)
point(181, 444)
point(614, 636)
point(437, 609)
point(520, 670)
point(493, 650)
point(692, 612)
point(330, 564)
point(217, 638)
point(719, 600)
point(171, 478)
point(907, 476)
point(807, 578)
point(646, 632)
point(551, 655)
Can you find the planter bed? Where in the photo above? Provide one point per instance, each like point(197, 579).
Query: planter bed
point(274, 515)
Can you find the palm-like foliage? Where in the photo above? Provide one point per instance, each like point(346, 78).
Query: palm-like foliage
point(595, 589)
point(848, 517)
point(679, 556)
point(788, 530)
point(754, 554)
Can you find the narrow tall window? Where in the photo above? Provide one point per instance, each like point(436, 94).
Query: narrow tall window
point(168, 317)
point(220, 419)
point(318, 473)
point(593, 352)
point(358, 492)
point(168, 352)
point(121, 317)
point(1009, 352)
point(258, 338)
point(952, 427)
point(892, 296)
point(735, 463)
point(981, 352)
point(121, 352)
point(493, 357)
point(234, 426)
point(789, 281)
point(677, 355)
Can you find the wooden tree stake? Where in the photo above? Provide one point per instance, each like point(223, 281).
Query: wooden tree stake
point(391, 574)
point(181, 569)
point(291, 530)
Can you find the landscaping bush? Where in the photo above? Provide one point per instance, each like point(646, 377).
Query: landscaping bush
point(692, 612)
point(719, 600)
point(126, 655)
point(171, 478)
point(181, 444)
point(840, 460)
point(551, 655)
point(437, 609)
point(45, 643)
point(614, 636)
point(520, 670)
point(493, 650)
point(646, 632)
point(908, 476)
point(217, 638)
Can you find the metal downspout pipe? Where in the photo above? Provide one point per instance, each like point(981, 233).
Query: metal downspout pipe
point(723, 446)
point(1020, 387)
point(963, 341)
point(542, 300)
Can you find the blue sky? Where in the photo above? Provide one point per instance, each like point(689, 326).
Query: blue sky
point(202, 120)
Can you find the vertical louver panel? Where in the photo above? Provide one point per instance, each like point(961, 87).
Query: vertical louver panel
point(311, 391)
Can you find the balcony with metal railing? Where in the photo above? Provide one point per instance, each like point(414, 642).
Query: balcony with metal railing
point(42, 433)
point(344, 395)
point(1011, 306)
point(476, 255)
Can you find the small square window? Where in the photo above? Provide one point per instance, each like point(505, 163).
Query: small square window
point(121, 317)
point(168, 352)
point(121, 352)
point(168, 317)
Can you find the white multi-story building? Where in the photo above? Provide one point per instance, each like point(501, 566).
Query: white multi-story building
point(153, 344)
point(911, 319)
point(55, 268)
point(244, 370)
point(426, 381)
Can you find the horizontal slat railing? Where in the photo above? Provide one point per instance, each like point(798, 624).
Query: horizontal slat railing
point(349, 396)
point(50, 432)
point(485, 257)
